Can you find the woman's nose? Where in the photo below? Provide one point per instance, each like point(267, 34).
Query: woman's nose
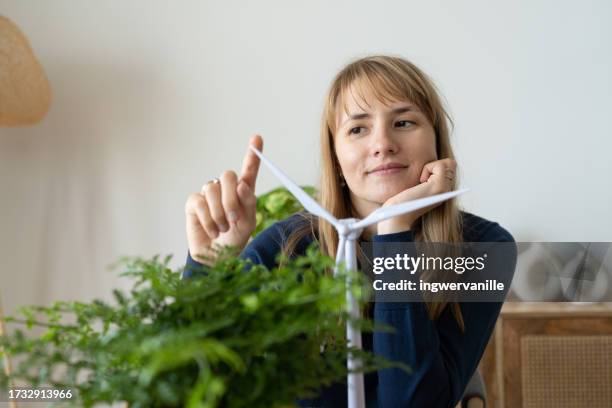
point(384, 142)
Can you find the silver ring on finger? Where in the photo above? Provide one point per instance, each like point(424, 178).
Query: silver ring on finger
point(212, 181)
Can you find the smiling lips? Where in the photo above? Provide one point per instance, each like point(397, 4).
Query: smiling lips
point(389, 168)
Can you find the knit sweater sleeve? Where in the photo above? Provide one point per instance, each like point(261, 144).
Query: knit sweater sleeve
point(442, 356)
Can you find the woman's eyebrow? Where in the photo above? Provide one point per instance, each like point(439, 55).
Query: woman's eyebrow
point(400, 109)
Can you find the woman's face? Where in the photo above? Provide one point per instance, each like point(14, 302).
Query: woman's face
point(382, 149)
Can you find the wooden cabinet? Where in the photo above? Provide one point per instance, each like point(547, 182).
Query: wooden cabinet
point(550, 355)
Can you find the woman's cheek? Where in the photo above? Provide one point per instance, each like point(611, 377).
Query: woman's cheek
point(352, 166)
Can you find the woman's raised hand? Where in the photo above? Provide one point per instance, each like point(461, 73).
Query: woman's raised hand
point(223, 213)
point(437, 177)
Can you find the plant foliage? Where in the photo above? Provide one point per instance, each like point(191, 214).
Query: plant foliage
point(221, 338)
point(278, 204)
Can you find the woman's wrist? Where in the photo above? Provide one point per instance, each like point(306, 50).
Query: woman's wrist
point(394, 225)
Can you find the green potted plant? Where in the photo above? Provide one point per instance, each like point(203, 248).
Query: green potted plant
point(223, 338)
point(278, 204)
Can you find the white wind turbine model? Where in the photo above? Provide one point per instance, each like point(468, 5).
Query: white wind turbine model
point(349, 229)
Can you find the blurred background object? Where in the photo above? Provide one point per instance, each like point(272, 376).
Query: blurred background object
point(25, 94)
point(550, 355)
point(563, 272)
point(25, 97)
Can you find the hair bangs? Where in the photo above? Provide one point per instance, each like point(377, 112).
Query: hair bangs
point(371, 79)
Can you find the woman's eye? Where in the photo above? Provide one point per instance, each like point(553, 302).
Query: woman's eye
point(404, 123)
point(356, 130)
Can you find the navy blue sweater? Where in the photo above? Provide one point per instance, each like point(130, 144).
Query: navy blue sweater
point(442, 357)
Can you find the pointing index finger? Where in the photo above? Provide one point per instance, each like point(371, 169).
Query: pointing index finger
point(250, 163)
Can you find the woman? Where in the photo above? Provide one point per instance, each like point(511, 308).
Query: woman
point(384, 140)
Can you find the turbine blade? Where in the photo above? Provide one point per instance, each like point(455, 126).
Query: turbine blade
point(384, 213)
point(339, 254)
point(307, 201)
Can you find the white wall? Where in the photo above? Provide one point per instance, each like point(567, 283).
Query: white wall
point(152, 98)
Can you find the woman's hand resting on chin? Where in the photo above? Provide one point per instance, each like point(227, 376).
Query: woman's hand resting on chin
point(436, 178)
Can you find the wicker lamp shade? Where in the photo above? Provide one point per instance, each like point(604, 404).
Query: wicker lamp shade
point(25, 94)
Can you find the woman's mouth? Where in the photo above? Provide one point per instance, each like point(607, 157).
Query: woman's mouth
point(387, 169)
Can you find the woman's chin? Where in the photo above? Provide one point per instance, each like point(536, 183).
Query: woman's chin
point(383, 198)
point(379, 194)
point(390, 191)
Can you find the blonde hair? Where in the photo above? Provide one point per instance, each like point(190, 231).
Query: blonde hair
point(388, 78)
